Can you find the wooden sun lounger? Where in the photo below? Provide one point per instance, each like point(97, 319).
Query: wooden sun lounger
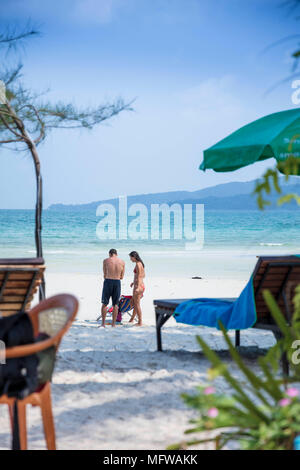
point(279, 274)
point(19, 281)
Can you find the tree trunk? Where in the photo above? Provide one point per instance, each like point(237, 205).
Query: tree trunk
point(38, 210)
point(39, 189)
point(39, 203)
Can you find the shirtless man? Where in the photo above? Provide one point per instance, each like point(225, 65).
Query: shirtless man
point(113, 272)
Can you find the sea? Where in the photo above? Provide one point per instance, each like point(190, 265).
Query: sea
point(232, 241)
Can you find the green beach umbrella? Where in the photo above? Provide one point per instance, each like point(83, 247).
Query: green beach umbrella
point(274, 136)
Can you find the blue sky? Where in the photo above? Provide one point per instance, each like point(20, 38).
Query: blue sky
point(198, 70)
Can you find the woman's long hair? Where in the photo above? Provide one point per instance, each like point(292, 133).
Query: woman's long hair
point(136, 256)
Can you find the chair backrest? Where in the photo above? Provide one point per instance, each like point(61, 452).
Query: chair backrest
point(19, 281)
point(53, 317)
point(280, 275)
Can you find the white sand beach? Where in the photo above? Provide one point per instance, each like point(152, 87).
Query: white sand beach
point(88, 288)
point(111, 388)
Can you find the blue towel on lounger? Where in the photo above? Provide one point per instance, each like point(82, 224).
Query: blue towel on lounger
point(236, 315)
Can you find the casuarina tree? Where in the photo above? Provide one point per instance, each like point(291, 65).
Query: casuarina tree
point(26, 117)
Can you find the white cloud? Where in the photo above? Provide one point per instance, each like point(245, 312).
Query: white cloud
point(95, 11)
point(214, 108)
point(211, 96)
point(81, 11)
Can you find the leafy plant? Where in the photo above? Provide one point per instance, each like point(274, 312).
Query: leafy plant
point(263, 412)
point(270, 181)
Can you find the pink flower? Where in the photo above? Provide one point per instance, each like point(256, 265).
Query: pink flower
point(212, 412)
point(292, 392)
point(284, 402)
point(209, 390)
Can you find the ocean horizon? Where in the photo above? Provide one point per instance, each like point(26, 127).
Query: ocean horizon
point(232, 240)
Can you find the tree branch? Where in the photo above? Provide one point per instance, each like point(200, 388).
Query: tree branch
point(9, 127)
point(10, 141)
point(12, 39)
point(41, 123)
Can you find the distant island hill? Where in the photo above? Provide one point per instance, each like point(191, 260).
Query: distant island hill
point(228, 196)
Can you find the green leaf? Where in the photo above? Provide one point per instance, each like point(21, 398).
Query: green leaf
point(276, 313)
point(254, 380)
point(288, 198)
point(211, 355)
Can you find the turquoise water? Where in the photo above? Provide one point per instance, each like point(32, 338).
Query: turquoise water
point(232, 241)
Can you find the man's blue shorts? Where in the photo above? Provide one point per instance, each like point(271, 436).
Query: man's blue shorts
point(111, 289)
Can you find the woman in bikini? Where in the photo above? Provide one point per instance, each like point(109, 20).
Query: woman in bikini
point(138, 286)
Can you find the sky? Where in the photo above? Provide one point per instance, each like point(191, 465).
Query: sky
point(196, 69)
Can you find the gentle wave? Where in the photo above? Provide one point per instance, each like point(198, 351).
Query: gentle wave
point(271, 244)
point(233, 239)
